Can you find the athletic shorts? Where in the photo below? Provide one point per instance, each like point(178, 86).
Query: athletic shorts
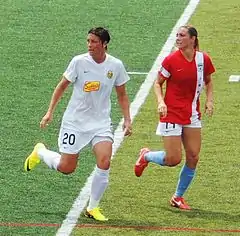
point(72, 142)
point(172, 129)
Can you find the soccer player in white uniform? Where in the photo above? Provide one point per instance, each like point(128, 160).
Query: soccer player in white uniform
point(87, 116)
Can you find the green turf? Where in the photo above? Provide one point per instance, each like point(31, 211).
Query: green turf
point(214, 195)
point(38, 39)
point(140, 232)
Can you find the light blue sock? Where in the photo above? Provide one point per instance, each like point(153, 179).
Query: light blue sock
point(185, 179)
point(156, 157)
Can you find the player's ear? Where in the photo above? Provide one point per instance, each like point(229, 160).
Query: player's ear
point(105, 44)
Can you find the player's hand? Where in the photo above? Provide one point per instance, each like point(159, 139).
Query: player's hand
point(209, 108)
point(127, 127)
point(162, 109)
point(46, 120)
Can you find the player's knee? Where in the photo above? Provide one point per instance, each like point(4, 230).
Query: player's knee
point(104, 163)
point(192, 155)
point(174, 163)
point(67, 170)
point(192, 158)
point(173, 160)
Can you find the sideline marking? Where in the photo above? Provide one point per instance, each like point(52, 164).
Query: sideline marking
point(81, 201)
point(135, 227)
point(137, 73)
point(234, 78)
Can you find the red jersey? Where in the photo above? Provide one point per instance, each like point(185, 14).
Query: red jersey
point(184, 83)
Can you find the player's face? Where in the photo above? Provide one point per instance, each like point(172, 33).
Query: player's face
point(183, 39)
point(95, 45)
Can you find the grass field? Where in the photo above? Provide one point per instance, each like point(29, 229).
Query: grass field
point(38, 40)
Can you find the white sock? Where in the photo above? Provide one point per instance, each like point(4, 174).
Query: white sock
point(52, 159)
point(99, 185)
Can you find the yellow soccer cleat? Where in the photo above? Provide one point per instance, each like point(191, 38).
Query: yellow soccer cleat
point(33, 159)
point(96, 214)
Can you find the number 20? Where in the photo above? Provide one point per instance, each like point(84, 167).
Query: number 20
point(69, 138)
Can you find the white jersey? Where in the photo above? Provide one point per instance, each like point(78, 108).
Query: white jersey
point(89, 107)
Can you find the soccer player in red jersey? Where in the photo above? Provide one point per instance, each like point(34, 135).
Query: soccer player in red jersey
point(185, 71)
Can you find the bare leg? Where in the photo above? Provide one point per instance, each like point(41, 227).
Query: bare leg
point(191, 138)
point(64, 163)
point(173, 148)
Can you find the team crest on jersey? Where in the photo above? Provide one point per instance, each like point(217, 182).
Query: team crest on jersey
point(200, 67)
point(109, 74)
point(91, 86)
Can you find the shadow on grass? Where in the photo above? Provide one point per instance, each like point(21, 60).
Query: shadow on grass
point(144, 224)
point(117, 223)
point(205, 214)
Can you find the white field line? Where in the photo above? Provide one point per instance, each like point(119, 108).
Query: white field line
point(81, 201)
point(137, 73)
point(234, 78)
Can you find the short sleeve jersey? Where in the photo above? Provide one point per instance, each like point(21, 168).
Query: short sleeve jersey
point(183, 87)
point(89, 107)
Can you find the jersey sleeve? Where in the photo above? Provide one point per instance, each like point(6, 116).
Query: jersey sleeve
point(122, 76)
point(165, 69)
point(208, 67)
point(71, 73)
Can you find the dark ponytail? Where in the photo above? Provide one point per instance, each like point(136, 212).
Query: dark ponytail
point(196, 44)
point(193, 33)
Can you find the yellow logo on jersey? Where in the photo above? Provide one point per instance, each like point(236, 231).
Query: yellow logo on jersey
point(110, 74)
point(91, 86)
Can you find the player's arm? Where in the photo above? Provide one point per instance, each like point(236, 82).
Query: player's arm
point(158, 89)
point(208, 71)
point(56, 96)
point(209, 95)
point(124, 104)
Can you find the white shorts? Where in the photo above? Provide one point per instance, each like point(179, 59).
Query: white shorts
point(171, 129)
point(72, 142)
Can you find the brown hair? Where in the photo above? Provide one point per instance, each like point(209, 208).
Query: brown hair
point(193, 32)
